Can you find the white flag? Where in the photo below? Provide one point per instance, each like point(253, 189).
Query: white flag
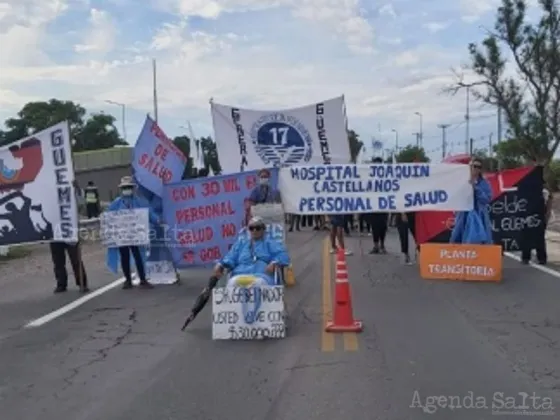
point(251, 139)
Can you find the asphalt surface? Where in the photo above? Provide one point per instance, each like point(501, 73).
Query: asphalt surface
point(121, 355)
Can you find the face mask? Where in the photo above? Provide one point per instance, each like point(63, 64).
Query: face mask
point(127, 192)
point(263, 181)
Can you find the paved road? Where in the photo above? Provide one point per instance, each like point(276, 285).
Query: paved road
point(121, 356)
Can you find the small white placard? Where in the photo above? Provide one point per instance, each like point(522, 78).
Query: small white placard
point(161, 272)
point(248, 313)
point(125, 228)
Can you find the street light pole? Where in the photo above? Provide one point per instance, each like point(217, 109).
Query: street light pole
point(417, 135)
point(396, 139)
point(443, 139)
point(421, 128)
point(123, 116)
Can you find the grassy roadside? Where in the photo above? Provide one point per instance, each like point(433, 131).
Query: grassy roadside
point(15, 253)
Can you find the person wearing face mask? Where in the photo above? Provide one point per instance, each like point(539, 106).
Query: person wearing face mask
point(263, 193)
point(474, 227)
point(257, 254)
point(125, 254)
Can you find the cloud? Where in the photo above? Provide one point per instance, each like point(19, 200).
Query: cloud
point(387, 61)
point(436, 26)
point(100, 37)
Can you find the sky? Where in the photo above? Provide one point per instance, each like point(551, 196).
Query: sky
point(391, 60)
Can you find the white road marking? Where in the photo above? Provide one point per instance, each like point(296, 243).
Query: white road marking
point(73, 305)
point(539, 267)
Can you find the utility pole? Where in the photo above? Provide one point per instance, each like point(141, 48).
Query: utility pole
point(418, 137)
point(443, 139)
point(467, 120)
point(154, 81)
point(421, 135)
point(490, 151)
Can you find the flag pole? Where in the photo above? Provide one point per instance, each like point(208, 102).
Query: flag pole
point(154, 82)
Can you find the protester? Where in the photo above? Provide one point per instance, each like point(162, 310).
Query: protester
point(255, 255)
point(474, 227)
point(58, 256)
point(295, 221)
point(405, 225)
point(126, 201)
point(363, 224)
point(93, 205)
point(537, 239)
point(378, 223)
point(263, 193)
point(338, 221)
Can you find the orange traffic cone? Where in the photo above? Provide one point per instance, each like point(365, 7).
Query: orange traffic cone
point(343, 320)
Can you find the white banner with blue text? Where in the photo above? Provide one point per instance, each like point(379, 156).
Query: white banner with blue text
point(376, 188)
point(252, 139)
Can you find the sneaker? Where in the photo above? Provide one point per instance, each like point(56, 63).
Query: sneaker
point(333, 251)
point(348, 252)
point(407, 260)
point(145, 284)
point(60, 289)
point(127, 285)
point(375, 250)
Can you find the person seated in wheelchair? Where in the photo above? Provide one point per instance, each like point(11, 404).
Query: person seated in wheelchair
point(255, 254)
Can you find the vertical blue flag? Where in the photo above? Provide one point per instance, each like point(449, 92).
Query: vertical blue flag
point(157, 161)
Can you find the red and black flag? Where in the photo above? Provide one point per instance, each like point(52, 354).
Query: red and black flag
point(517, 208)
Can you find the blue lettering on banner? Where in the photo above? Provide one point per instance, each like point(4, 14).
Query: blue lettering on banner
point(351, 172)
point(205, 215)
point(424, 198)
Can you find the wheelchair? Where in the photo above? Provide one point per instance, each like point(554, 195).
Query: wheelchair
point(274, 217)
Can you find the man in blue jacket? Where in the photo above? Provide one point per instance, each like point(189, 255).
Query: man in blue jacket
point(128, 200)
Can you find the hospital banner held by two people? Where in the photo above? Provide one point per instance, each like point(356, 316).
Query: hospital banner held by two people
point(157, 161)
point(251, 139)
point(204, 216)
point(37, 195)
point(375, 188)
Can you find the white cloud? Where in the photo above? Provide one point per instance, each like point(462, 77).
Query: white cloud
point(435, 27)
point(23, 25)
point(344, 17)
point(309, 50)
point(101, 35)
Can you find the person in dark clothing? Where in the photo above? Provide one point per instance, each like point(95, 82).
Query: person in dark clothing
point(295, 220)
point(363, 224)
point(348, 224)
point(531, 239)
point(405, 225)
point(378, 223)
point(93, 204)
point(58, 255)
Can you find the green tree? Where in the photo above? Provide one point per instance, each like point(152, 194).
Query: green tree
point(355, 145)
point(211, 158)
point(96, 132)
point(410, 154)
point(183, 143)
point(529, 96)
point(509, 154)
